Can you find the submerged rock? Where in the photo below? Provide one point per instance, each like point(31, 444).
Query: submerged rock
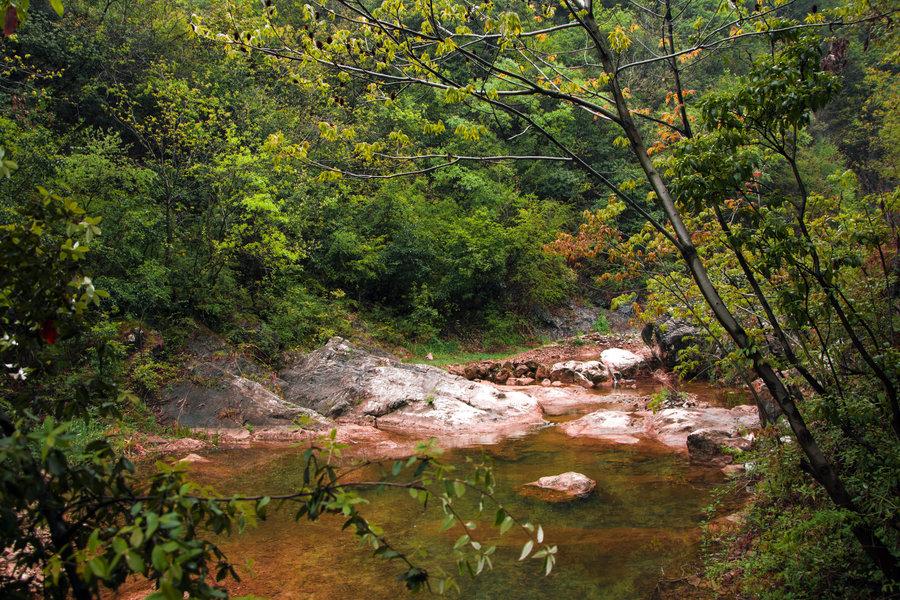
point(562, 487)
point(193, 458)
point(611, 425)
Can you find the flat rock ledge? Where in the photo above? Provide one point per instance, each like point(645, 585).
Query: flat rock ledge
point(709, 434)
point(343, 381)
point(564, 487)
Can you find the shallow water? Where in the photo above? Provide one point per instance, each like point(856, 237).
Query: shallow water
point(640, 524)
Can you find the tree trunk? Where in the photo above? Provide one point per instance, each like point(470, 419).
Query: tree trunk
point(819, 466)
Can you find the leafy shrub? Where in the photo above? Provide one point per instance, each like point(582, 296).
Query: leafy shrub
point(501, 329)
point(149, 376)
point(601, 324)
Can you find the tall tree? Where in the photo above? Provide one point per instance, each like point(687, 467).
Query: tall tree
point(587, 58)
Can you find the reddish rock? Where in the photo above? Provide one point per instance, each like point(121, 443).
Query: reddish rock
point(611, 425)
point(733, 469)
point(583, 373)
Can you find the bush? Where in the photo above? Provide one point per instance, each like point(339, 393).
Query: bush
point(795, 544)
point(601, 324)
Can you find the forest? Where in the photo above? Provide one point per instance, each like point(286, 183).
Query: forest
point(199, 198)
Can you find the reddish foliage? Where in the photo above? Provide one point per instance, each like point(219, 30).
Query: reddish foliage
point(11, 21)
point(48, 332)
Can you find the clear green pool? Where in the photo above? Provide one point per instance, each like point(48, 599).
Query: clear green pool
point(641, 524)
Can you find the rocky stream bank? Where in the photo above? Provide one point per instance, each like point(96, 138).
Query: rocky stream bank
point(382, 406)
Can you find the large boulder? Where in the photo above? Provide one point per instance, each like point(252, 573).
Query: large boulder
point(672, 426)
point(567, 322)
point(562, 487)
point(669, 337)
point(341, 379)
point(221, 399)
point(765, 400)
point(622, 364)
point(584, 373)
point(715, 447)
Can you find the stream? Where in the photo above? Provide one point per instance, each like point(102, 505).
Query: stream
point(641, 523)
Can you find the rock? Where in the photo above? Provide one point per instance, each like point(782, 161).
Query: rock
point(709, 446)
point(542, 372)
point(671, 426)
point(671, 336)
point(521, 370)
point(546, 383)
point(728, 523)
point(429, 356)
point(568, 322)
point(519, 381)
point(222, 399)
point(622, 364)
point(502, 376)
point(733, 469)
point(178, 446)
point(378, 407)
point(422, 400)
point(564, 487)
point(556, 383)
point(194, 458)
point(586, 374)
point(611, 425)
point(765, 399)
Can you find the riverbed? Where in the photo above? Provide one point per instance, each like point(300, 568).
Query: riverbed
point(641, 524)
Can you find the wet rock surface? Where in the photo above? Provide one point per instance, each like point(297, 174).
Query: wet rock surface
point(561, 488)
point(716, 431)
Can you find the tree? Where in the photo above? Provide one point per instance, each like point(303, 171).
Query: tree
point(586, 58)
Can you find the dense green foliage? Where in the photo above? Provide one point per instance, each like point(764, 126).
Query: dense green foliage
point(194, 162)
point(282, 172)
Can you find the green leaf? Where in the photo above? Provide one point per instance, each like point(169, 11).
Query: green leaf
point(526, 549)
point(152, 523)
point(158, 558)
point(57, 6)
point(135, 562)
point(459, 488)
